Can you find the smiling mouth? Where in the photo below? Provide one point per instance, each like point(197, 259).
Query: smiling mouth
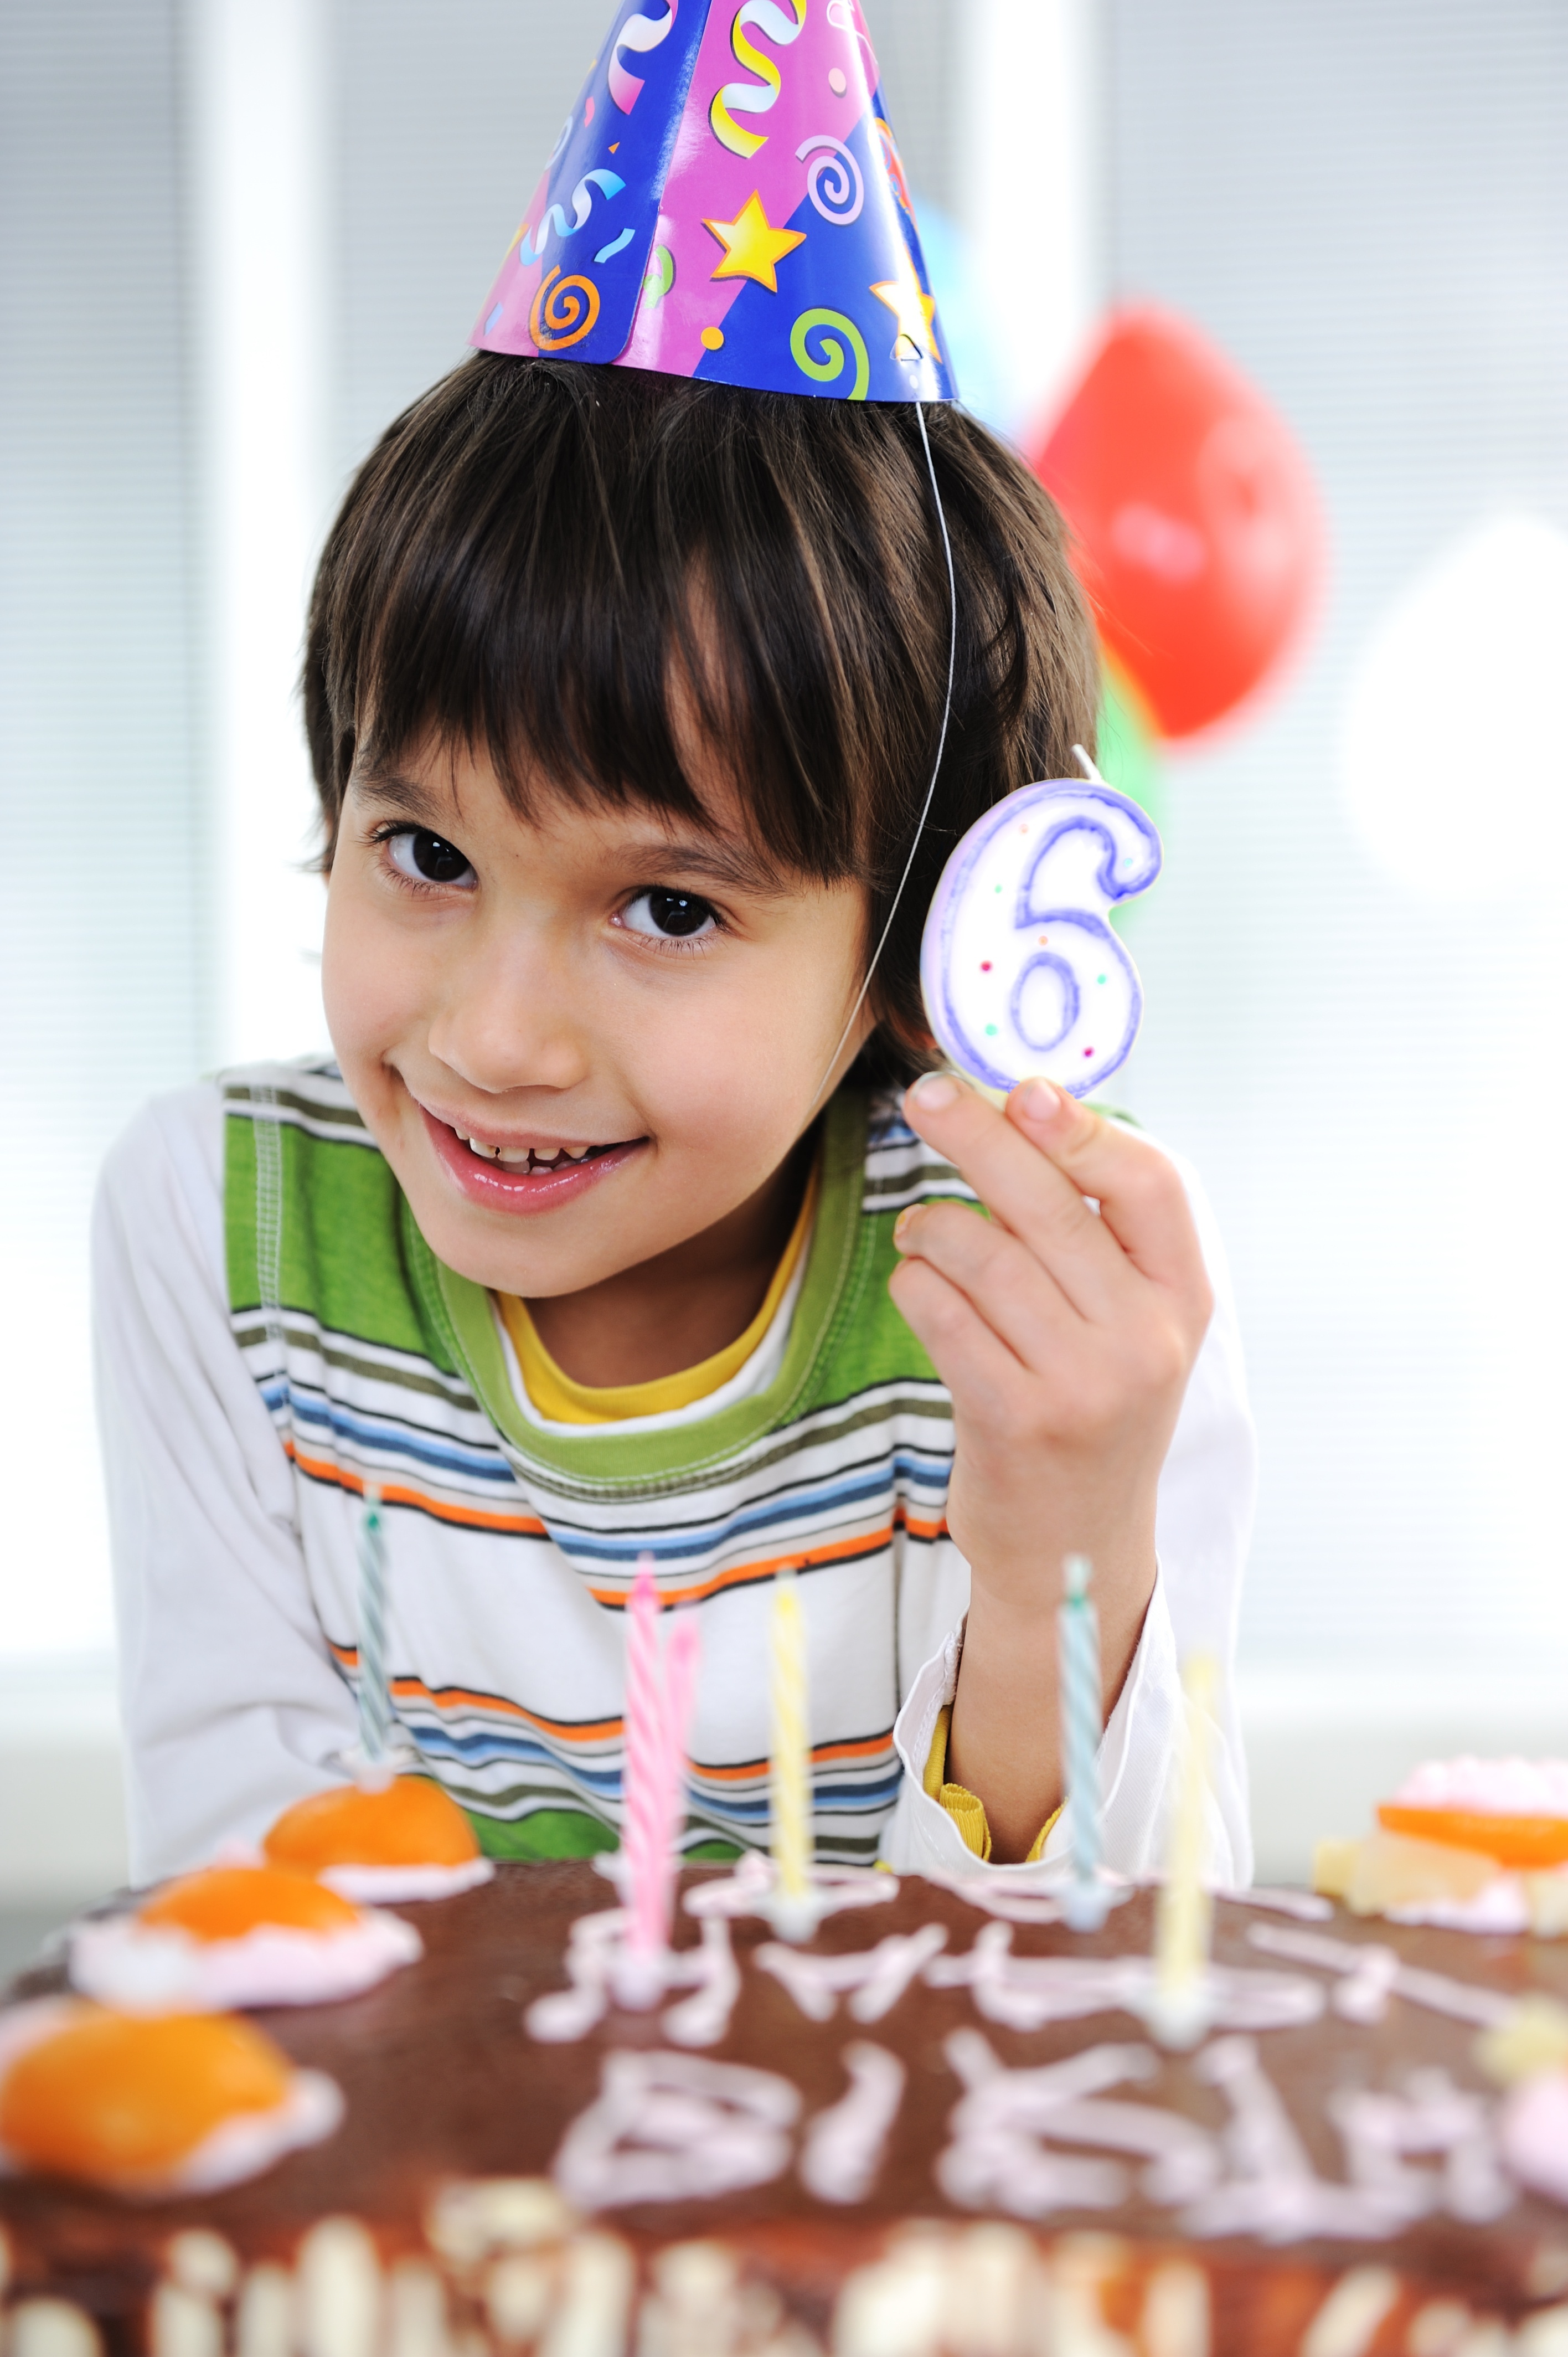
point(530, 1160)
point(524, 1178)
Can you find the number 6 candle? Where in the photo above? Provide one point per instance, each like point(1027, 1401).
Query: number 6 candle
point(1019, 969)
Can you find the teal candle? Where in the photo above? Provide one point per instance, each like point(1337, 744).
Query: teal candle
point(1077, 1661)
point(375, 1701)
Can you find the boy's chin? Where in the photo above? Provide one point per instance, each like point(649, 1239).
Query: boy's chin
point(535, 1267)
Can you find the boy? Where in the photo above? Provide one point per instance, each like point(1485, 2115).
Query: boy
point(606, 1234)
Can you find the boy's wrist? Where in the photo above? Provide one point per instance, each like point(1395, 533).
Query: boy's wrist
point(1018, 1582)
point(1005, 1739)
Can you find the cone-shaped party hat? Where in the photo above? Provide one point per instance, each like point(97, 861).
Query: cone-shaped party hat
point(726, 200)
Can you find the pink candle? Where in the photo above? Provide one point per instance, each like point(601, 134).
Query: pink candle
point(641, 1812)
point(680, 1695)
point(659, 1692)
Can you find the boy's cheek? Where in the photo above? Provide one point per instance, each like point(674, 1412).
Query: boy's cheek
point(370, 997)
point(347, 990)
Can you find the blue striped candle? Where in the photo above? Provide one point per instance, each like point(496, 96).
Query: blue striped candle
point(375, 1702)
point(1077, 1663)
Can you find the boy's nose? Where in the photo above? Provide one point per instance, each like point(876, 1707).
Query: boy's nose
point(499, 1031)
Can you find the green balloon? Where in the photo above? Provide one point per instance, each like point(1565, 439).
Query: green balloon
point(1126, 756)
point(1126, 761)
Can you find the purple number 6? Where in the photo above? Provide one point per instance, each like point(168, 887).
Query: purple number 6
point(1020, 972)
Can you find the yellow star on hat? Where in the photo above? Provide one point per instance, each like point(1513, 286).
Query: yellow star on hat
point(913, 311)
point(753, 247)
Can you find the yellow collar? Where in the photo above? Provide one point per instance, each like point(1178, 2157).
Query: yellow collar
point(555, 1396)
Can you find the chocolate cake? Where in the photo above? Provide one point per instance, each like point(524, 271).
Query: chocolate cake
point(931, 2129)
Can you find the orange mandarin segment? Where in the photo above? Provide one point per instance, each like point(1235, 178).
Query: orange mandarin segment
point(1527, 1842)
point(409, 1821)
point(226, 1901)
point(117, 2097)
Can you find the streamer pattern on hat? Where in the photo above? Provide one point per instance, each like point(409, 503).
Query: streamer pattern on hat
point(751, 227)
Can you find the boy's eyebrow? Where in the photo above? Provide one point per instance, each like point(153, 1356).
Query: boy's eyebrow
point(725, 860)
point(393, 791)
point(716, 859)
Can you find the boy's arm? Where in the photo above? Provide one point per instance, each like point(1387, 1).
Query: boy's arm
point(1194, 1522)
point(230, 1705)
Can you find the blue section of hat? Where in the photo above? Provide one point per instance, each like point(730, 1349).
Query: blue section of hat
point(606, 177)
point(825, 330)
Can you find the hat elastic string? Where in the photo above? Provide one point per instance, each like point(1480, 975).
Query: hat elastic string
point(936, 766)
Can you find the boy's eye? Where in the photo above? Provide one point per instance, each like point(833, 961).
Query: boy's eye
point(669, 916)
point(426, 858)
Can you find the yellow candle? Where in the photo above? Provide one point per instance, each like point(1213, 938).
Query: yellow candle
point(1184, 1921)
point(791, 1800)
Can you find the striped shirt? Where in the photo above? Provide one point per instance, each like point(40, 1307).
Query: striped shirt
point(274, 1333)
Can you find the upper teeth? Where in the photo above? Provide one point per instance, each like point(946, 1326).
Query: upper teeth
point(516, 1153)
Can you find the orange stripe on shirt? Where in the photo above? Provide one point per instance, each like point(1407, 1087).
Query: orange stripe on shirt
point(529, 1526)
point(605, 1730)
point(566, 1730)
point(740, 1574)
point(797, 1559)
point(396, 1494)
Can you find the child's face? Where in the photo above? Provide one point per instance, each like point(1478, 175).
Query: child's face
point(604, 982)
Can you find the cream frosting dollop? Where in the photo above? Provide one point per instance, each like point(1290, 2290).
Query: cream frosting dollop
point(1503, 1788)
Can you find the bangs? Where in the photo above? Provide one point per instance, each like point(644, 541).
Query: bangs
point(616, 584)
point(627, 587)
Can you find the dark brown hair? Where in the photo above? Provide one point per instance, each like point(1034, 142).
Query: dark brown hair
point(538, 554)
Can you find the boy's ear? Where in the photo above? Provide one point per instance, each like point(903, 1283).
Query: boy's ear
point(911, 1041)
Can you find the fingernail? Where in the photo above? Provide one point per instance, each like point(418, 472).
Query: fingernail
point(932, 1091)
point(1038, 1100)
point(901, 1224)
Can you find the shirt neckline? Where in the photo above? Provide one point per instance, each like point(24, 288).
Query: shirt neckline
point(555, 1396)
point(596, 1459)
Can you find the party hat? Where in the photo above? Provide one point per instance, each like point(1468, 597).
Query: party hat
point(726, 200)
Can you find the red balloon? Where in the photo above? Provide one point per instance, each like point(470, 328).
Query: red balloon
point(1195, 520)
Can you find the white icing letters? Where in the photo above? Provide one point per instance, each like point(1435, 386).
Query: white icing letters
point(676, 2127)
point(998, 2157)
point(1457, 1999)
point(878, 1976)
point(1025, 1992)
point(1432, 2116)
point(1273, 2191)
point(670, 2126)
point(1305, 1905)
point(595, 1960)
point(844, 2145)
point(749, 1890)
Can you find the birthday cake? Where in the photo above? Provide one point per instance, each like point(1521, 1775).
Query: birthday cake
point(939, 2124)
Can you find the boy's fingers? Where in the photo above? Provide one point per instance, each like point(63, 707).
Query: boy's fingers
point(1023, 1189)
point(1033, 1167)
point(973, 1362)
point(1011, 1289)
point(1138, 1190)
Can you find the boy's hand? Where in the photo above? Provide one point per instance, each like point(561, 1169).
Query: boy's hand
point(1066, 1339)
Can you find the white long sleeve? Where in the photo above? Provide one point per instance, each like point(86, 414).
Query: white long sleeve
point(230, 1705)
